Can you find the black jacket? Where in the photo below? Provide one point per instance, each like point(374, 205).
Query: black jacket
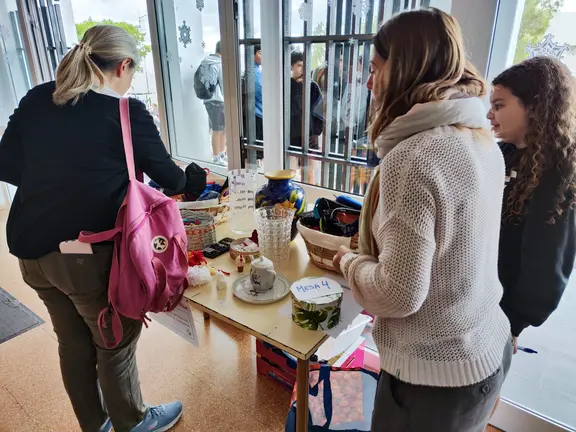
point(535, 257)
point(69, 166)
point(296, 109)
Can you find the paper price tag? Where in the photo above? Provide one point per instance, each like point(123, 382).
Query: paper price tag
point(310, 288)
point(180, 321)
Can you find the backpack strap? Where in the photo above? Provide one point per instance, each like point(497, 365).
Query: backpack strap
point(127, 137)
point(88, 237)
point(117, 330)
point(110, 310)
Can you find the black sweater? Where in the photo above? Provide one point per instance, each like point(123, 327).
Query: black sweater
point(69, 166)
point(535, 258)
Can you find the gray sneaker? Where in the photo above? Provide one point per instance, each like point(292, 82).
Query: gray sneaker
point(218, 160)
point(160, 418)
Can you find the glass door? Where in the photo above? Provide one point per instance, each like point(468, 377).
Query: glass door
point(15, 75)
point(540, 391)
point(193, 61)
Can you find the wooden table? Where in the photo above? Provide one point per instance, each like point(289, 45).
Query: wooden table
point(264, 321)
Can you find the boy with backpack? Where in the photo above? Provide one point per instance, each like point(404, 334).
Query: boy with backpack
point(208, 87)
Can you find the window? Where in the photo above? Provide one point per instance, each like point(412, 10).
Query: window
point(63, 22)
point(528, 28)
point(132, 16)
point(326, 67)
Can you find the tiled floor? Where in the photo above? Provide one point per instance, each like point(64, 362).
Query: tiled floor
point(217, 382)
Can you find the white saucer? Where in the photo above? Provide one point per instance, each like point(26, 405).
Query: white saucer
point(242, 289)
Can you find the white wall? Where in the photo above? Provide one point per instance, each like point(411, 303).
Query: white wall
point(477, 19)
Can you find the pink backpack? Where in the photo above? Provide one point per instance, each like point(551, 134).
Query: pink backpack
point(150, 263)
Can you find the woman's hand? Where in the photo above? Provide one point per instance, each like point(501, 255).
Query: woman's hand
point(515, 344)
point(343, 250)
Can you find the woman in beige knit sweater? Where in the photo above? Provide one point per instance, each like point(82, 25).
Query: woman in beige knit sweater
point(427, 267)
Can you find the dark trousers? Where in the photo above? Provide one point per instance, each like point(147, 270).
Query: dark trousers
point(100, 382)
point(403, 407)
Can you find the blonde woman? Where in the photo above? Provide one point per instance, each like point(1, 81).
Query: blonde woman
point(63, 150)
point(428, 262)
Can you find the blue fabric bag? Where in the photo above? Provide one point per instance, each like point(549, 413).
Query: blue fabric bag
point(339, 400)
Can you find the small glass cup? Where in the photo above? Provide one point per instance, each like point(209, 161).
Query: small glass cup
point(274, 226)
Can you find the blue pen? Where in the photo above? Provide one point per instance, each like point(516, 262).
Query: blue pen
point(527, 350)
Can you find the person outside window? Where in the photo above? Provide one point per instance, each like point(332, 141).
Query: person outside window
point(296, 110)
point(258, 111)
point(211, 89)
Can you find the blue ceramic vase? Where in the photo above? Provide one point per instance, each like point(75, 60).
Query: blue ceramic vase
point(281, 190)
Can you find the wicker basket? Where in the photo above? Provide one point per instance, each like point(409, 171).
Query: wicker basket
point(220, 211)
point(322, 247)
point(248, 256)
point(203, 232)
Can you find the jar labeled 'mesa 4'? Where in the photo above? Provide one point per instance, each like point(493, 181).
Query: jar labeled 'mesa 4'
point(282, 191)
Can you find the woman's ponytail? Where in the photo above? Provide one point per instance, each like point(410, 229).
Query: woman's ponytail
point(101, 49)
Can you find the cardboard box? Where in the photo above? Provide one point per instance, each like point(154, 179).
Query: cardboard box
point(275, 374)
point(280, 367)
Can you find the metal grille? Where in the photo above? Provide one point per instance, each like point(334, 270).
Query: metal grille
point(335, 38)
point(336, 51)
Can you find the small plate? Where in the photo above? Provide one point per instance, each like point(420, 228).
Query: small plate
point(242, 289)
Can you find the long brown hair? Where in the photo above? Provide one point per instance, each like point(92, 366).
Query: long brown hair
point(425, 57)
point(547, 91)
point(101, 49)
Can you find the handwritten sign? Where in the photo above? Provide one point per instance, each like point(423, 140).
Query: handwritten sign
point(310, 288)
point(243, 184)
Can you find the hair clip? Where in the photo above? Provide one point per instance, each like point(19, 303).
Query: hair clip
point(85, 47)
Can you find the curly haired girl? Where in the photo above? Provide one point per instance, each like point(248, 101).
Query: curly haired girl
point(533, 112)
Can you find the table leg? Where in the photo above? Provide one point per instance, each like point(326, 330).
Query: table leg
point(206, 316)
point(302, 395)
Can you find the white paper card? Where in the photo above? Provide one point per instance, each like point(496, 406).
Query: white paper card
point(310, 288)
point(180, 321)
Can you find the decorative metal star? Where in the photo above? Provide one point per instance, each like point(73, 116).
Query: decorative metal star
point(185, 30)
point(305, 11)
point(360, 7)
point(547, 48)
point(351, 41)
